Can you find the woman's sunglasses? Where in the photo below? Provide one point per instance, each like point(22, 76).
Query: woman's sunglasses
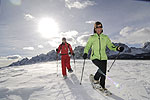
point(99, 27)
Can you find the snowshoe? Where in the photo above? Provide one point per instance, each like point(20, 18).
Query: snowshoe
point(65, 77)
point(98, 87)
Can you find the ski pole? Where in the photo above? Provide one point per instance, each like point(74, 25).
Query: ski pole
point(74, 63)
point(57, 63)
point(114, 61)
point(82, 71)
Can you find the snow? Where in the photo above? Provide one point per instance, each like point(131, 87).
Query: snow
point(40, 82)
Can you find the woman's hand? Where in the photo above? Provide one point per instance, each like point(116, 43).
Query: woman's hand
point(120, 49)
point(84, 56)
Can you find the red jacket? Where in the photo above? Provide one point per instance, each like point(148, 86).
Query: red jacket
point(64, 49)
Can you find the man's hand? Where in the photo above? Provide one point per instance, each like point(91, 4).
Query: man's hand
point(73, 54)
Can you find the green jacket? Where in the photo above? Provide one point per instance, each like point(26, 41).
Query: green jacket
point(98, 45)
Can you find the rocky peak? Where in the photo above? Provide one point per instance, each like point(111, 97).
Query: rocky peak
point(147, 46)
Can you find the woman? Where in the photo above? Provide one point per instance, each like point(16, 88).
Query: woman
point(98, 43)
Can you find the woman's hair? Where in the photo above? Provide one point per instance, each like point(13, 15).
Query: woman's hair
point(97, 23)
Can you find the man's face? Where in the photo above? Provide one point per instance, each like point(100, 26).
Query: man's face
point(98, 29)
point(64, 41)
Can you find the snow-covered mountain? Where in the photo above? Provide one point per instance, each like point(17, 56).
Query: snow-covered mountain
point(127, 80)
point(7, 60)
point(50, 56)
point(147, 46)
point(131, 52)
point(128, 53)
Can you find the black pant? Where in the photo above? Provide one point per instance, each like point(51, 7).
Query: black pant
point(102, 65)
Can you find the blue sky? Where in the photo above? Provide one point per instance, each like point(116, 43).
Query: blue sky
point(125, 21)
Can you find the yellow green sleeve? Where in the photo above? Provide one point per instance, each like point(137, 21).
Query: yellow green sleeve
point(88, 45)
point(110, 45)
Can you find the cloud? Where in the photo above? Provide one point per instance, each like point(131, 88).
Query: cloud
point(14, 57)
point(54, 42)
point(72, 33)
point(82, 40)
point(11, 57)
point(134, 35)
point(79, 4)
point(4, 27)
point(28, 16)
point(70, 36)
point(126, 31)
point(6, 60)
point(90, 22)
point(57, 41)
point(72, 41)
point(40, 46)
point(16, 2)
point(28, 48)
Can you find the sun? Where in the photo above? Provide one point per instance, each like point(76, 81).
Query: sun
point(48, 27)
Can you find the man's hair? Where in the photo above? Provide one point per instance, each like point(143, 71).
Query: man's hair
point(63, 38)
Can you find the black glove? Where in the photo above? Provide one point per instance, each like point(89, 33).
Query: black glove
point(84, 56)
point(57, 50)
point(73, 54)
point(120, 49)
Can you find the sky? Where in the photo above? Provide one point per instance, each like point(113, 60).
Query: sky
point(32, 27)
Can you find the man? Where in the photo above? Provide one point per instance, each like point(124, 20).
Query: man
point(64, 48)
point(98, 43)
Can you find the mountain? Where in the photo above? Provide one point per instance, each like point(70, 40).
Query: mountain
point(131, 52)
point(50, 56)
point(128, 53)
point(147, 46)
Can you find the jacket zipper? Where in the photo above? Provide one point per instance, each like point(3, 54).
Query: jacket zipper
point(99, 47)
point(93, 53)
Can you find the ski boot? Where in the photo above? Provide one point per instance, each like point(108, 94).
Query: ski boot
point(70, 70)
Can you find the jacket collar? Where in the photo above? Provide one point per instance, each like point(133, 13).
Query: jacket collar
point(97, 34)
point(64, 43)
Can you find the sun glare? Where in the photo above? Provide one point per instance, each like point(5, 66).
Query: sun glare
point(48, 27)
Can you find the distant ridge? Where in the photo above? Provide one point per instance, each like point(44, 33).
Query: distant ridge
point(128, 53)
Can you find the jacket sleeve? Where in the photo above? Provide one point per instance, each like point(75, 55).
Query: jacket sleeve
point(70, 48)
point(110, 45)
point(59, 49)
point(88, 45)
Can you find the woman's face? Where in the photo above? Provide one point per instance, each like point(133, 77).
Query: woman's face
point(98, 29)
